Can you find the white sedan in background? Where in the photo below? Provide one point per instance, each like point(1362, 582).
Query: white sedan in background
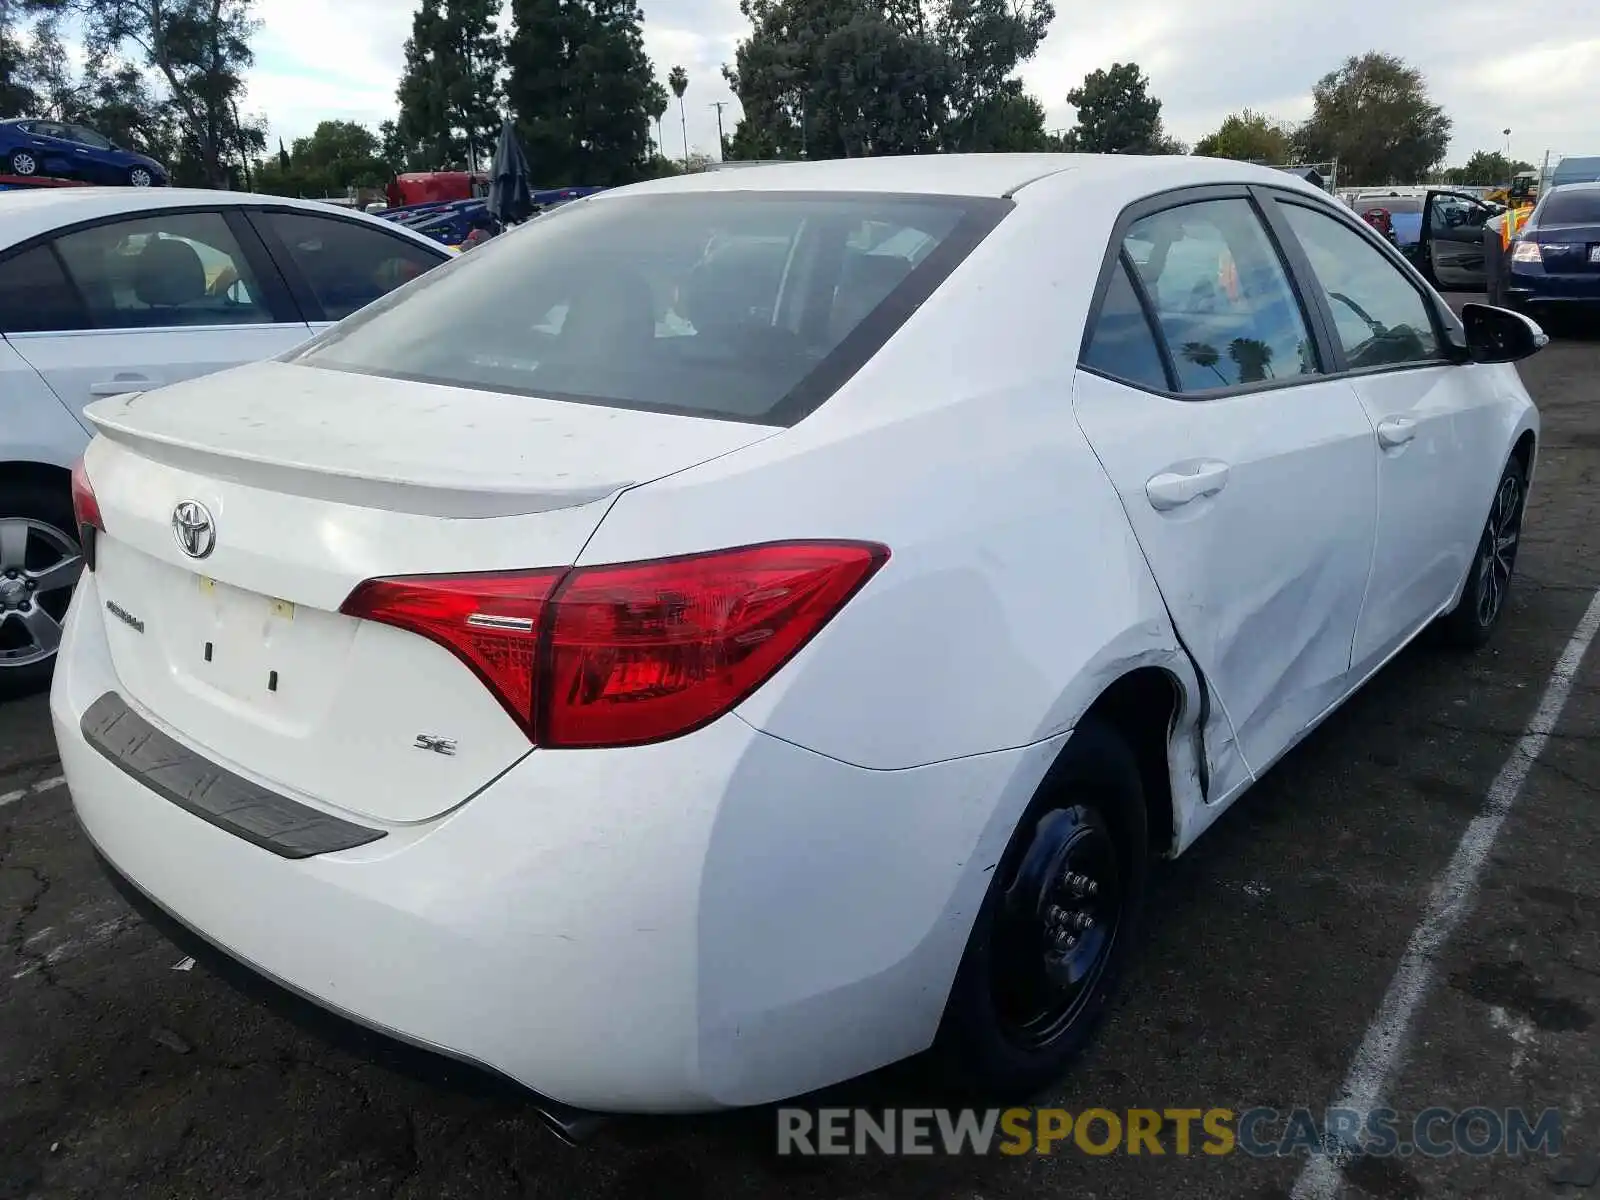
point(108, 291)
point(742, 630)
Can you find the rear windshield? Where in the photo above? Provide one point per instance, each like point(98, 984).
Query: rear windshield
point(1571, 208)
point(749, 306)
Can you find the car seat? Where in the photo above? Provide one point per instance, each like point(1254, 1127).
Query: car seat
point(169, 276)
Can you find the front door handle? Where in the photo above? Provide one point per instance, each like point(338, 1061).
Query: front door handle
point(1396, 431)
point(121, 385)
point(1175, 488)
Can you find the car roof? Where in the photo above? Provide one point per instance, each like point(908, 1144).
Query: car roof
point(970, 175)
point(27, 214)
point(1582, 185)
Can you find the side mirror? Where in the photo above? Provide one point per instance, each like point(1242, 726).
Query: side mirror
point(1499, 335)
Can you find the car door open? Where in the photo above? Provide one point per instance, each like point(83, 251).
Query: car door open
point(1452, 239)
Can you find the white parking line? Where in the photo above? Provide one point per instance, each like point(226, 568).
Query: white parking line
point(1383, 1048)
point(44, 785)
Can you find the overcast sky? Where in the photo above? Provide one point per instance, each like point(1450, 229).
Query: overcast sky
point(1489, 66)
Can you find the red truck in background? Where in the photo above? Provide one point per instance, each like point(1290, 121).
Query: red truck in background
point(429, 187)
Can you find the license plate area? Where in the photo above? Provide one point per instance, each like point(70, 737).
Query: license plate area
point(1594, 254)
point(241, 643)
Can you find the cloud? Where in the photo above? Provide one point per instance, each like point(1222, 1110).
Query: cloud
point(342, 58)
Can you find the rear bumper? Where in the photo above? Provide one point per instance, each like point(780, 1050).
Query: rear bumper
point(1527, 288)
point(349, 1033)
point(719, 920)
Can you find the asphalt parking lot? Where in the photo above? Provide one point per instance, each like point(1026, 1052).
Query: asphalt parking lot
point(1271, 946)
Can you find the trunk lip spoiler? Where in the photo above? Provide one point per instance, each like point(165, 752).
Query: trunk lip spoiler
point(457, 497)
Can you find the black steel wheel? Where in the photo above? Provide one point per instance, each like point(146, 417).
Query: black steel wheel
point(1061, 912)
point(1483, 602)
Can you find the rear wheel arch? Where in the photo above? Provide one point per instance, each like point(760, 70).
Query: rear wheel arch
point(1143, 708)
point(37, 474)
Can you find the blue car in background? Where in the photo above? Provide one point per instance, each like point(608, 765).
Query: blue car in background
point(30, 147)
point(1555, 261)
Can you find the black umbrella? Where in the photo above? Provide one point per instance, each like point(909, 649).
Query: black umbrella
point(510, 193)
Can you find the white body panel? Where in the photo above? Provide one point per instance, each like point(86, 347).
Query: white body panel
point(680, 925)
point(1263, 576)
point(1433, 489)
point(84, 366)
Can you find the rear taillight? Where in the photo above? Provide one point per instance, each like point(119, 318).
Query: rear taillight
point(1528, 252)
point(634, 653)
point(85, 512)
point(489, 621)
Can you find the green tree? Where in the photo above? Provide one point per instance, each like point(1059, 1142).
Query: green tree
point(1374, 115)
point(1487, 167)
point(449, 90)
point(199, 50)
point(580, 89)
point(1250, 137)
point(1116, 113)
point(16, 97)
point(338, 155)
point(678, 81)
point(840, 78)
point(655, 107)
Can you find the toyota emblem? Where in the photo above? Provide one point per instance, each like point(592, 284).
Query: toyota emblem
point(193, 528)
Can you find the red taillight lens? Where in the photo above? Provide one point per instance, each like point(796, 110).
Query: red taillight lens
point(489, 621)
point(652, 650)
point(86, 512)
point(622, 655)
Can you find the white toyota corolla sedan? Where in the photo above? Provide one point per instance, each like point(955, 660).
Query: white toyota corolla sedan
point(746, 629)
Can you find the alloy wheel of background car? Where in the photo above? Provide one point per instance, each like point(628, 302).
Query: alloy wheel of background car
point(23, 163)
point(1056, 926)
point(40, 563)
point(140, 177)
point(1483, 602)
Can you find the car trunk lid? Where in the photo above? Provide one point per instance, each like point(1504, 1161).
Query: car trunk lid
point(242, 510)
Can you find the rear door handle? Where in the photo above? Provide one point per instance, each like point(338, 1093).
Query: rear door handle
point(121, 385)
point(1396, 431)
point(1173, 489)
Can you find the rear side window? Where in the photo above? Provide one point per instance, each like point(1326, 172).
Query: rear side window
point(1571, 208)
point(347, 265)
point(1222, 297)
point(1122, 344)
point(35, 296)
point(164, 270)
point(749, 306)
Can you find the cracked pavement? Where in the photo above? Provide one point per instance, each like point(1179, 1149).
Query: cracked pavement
point(1269, 947)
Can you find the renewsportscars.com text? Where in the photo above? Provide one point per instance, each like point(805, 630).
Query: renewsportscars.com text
point(1258, 1132)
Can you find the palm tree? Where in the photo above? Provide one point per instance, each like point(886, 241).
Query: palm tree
point(1254, 358)
point(678, 81)
point(1205, 357)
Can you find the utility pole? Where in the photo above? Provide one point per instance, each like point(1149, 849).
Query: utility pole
point(718, 105)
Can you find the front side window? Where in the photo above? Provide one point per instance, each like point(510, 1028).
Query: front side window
point(88, 137)
point(722, 304)
point(163, 270)
point(1221, 296)
point(346, 265)
point(1380, 318)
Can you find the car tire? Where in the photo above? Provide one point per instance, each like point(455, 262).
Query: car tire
point(1088, 822)
point(1483, 601)
point(140, 177)
point(23, 163)
point(45, 513)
